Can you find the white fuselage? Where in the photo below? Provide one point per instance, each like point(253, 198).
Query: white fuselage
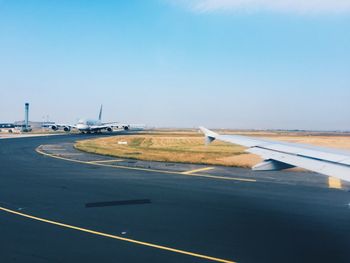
point(87, 124)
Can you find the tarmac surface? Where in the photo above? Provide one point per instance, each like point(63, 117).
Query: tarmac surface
point(58, 204)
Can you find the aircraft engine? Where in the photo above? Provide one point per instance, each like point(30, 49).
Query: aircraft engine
point(54, 127)
point(109, 129)
point(126, 128)
point(66, 128)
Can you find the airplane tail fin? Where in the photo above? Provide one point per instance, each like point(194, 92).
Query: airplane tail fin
point(100, 115)
point(209, 135)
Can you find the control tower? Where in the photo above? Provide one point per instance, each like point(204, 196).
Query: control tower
point(26, 117)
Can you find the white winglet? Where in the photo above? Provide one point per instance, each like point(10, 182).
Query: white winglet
point(209, 135)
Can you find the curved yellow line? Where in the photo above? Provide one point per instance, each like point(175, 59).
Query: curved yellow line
point(116, 237)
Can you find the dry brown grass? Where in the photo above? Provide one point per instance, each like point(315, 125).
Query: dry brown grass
point(188, 147)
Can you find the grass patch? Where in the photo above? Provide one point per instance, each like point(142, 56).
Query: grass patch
point(188, 146)
point(183, 147)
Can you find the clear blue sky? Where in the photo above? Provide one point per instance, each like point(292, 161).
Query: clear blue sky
point(177, 63)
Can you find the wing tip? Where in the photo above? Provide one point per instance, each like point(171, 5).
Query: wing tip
point(210, 136)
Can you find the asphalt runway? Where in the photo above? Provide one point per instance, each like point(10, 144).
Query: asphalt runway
point(57, 205)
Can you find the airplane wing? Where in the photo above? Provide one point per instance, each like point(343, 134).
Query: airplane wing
point(65, 127)
point(282, 155)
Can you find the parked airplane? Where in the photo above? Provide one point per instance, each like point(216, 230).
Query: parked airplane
point(91, 125)
point(283, 155)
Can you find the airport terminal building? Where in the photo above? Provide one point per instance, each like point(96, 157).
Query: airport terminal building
point(18, 126)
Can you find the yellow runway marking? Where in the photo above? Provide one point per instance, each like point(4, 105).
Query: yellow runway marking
point(107, 161)
point(63, 154)
point(222, 177)
point(334, 183)
point(54, 148)
point(117, 237)
point(143, 169)
point(198, 170)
